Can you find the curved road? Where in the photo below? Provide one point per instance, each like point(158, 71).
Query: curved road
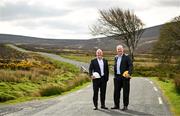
point(145, 99)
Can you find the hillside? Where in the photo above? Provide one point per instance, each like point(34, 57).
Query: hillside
point(149, 36)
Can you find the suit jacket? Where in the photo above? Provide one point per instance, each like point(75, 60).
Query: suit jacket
point(126, 64)
point(94, 67)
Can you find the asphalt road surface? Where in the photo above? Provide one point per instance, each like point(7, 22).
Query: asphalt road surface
point(145, 99)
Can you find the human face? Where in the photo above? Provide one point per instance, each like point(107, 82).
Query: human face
point(99, 54)
point(120, 51)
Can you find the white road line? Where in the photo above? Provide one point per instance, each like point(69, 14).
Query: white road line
point(151, 82)
point(146, 79)
point(155, 89)
point(160, 100)
point(79, 91)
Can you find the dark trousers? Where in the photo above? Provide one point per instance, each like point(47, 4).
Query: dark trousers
point(121, 82)
point(99, 84)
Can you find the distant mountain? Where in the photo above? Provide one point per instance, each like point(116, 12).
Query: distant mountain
point(149, 36)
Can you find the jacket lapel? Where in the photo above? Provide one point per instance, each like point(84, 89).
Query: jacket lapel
point(104, 64)
point(98, 65)
point(122, 60)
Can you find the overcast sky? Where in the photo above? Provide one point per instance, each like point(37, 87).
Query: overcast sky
point(71, 19)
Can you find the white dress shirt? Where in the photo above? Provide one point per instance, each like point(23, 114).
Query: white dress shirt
point(119, 58)
point(101, 65)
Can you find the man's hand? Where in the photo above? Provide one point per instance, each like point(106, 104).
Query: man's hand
point(93, 77)
point(126, 74)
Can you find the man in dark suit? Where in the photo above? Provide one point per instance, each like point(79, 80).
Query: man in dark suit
point(122, 64)
point(99, 65)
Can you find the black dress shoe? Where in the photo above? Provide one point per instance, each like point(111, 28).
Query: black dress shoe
point(103, 107)
point(95, 108)
point(115, 107)
point(124, 108)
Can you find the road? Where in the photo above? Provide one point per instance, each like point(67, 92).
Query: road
point(55, 57)
point(145, 99)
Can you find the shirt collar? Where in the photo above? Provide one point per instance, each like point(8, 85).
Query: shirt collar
point(119, 55)
point(99, 59)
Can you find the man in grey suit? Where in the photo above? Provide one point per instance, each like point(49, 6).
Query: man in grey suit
point(122, 71)
point(100, 66)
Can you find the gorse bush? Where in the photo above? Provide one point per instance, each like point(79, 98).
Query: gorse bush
point(23, 65)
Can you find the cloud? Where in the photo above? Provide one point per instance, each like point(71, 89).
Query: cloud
point(24, 10)
point(58, 24)
point(49, 23)
point(71, 18)
point(90, 3)
point(104, 4)
point(168, 3)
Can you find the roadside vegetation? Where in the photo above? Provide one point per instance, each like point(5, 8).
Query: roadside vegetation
point(30, 76)
point(171, 94)
point(167, 50)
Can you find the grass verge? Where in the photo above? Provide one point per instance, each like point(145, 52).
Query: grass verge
point(171, 95)
point(28, 98)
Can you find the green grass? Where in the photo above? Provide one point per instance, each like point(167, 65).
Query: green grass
point(29, 98)
point(65, 66)
point(171, 95)
point(63, 78)
point(12, 91)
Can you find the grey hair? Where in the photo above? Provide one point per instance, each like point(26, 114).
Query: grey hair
point(99, 50)
point(119, 46)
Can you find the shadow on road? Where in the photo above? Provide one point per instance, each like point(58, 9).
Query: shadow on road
point(113, 112)
point(124, 113)
point(137, 113)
